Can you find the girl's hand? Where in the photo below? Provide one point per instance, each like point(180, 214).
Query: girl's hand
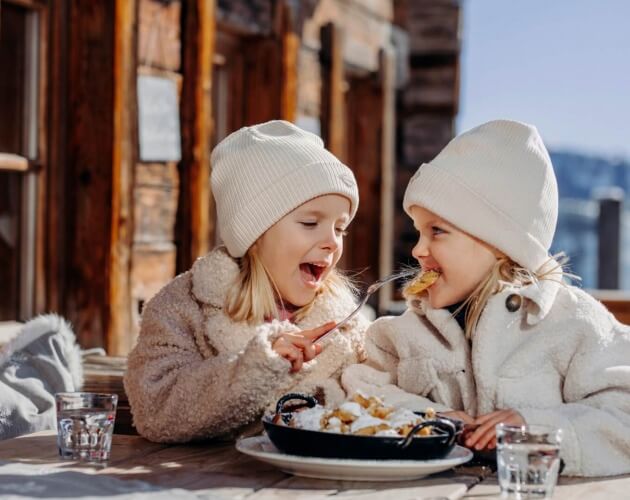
point(467, 419)
point(459, 415)
point(484, 436)
point(301, 347)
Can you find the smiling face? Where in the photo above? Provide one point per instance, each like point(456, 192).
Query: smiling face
point(463, 261)
point(301, 249)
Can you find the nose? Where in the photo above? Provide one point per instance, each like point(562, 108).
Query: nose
point(421, 249)
point(331, 241)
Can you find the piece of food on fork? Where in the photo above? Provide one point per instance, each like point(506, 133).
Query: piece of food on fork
point(421, 282)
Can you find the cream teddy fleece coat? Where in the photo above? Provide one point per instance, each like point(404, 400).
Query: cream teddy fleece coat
point(197, 374)
point(561, 359)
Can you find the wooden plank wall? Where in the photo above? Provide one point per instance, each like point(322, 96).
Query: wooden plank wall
point(428, 104)
point(100, 154)
point(195, 230)
point(157, 183)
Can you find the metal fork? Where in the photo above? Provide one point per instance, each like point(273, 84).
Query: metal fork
point(370, 290)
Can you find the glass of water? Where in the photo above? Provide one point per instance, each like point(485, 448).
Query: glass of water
point(85, 425)
point(528, 460)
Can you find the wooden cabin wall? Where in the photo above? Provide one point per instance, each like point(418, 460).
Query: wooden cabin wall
point(428, 104)
point(341, 96)
point(101, 109)
point(156, 184)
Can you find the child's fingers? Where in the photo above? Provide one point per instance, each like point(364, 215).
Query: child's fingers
point(304, 344)
point(484, 418)
point(309, 351)
point(486, 430)
point(290, 352)
point(315, 333)
point(483, 441)
point(488, 423)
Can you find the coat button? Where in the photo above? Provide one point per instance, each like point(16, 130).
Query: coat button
point(513, 302)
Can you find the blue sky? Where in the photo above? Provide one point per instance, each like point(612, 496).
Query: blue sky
point(563, 65)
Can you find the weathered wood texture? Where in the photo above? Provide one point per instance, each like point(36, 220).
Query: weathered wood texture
point(433, 26)
point(218, 470)
point(56, 219)
point(366, 27)
point(156, 186)
point(333, 87)
point(159, 31)
point(195, 226)
point(123, 161)
point(290, 47)
point(156, 190)
point(364, 119)
point(568, 488)
point(387, 73)
point(428, 105)
point(252, 17)
point(101, 111)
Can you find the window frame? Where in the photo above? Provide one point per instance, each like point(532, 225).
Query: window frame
point(31, 165)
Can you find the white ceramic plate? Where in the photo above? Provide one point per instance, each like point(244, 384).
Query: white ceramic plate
point(350, 469)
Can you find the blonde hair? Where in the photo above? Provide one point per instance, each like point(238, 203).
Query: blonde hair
point(253, 296)
point(505, 272)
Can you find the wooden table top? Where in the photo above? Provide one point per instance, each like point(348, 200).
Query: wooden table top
point(220, 471)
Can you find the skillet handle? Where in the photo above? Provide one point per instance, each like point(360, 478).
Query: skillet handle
point(310, 400)
point(442, 424)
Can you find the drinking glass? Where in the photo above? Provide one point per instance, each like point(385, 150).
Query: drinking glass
point(85, 425)
point(528, 460)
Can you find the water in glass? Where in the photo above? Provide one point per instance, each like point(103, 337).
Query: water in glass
point(527, 461)
point(85, 425)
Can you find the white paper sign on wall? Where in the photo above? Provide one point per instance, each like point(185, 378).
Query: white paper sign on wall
point(158, 119)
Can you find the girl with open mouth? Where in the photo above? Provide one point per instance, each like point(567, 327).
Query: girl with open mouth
point(222, 342)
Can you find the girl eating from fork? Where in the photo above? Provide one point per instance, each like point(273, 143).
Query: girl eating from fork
point(222, 342)
point(496, 335)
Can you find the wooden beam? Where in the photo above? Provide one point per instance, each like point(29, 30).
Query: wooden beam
point(195, 227)
point(290, 42)
point(41, 278)
point(123, 160)
point(333, 122)
point(387, 68)
point(56, 220)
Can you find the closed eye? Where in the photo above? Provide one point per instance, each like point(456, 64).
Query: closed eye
point(309, 224)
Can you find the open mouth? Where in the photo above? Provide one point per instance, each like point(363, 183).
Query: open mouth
point(312, 272)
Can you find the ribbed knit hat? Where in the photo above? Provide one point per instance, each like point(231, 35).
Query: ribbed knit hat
point(495, 182)
point(263, 172)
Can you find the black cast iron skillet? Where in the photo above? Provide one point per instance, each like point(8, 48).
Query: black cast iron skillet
point(333, 445)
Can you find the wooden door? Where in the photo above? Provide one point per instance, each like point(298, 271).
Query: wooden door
point(364, 133)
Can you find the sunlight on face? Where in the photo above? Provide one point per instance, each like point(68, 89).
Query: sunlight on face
point(463, 260)
point(303, 247)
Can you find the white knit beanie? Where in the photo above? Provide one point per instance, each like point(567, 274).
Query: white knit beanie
point(263, 172)
point(495, 182)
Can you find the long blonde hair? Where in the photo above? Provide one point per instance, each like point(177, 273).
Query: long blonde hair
point(506, 272)
point(253, 296)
